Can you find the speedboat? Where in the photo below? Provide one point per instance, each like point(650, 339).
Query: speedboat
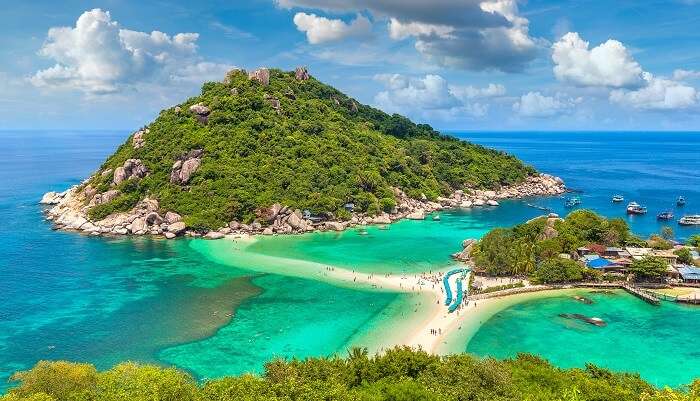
point(680, 201)
point(572, 202)
point(618, 198)
point(690, 220)
point(668, 215)
point(636, 208)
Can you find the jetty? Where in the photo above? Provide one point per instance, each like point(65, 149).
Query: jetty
point(642, 294)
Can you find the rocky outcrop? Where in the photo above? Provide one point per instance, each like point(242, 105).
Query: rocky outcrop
point(138, 140)
point(70, 210)
point(228, 78)
point(105, 197)
point(261, 75)
point(52, 198)
point(467, 247)
point(201, 112)
point(132, 168)
point(185, 166)
point(416, 215)
point(274, 102)
point(301, 74)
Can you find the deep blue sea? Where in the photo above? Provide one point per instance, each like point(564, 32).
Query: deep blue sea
point(69, 296)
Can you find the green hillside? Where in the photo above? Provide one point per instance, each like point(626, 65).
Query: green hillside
point(297, 142)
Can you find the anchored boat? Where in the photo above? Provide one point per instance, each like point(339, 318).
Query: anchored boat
point(667, 215)
point(690, 220)
point(572, 202)
point(636, 208)
point(680, 201)
point(618, 198)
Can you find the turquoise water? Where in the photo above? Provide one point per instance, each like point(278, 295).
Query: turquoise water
point(68, 296)
point(656, 341)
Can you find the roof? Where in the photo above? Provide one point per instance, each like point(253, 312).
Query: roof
point(638, 251)
point(599, 263)
point(689, 272)
point(695, 254)
point(613, 249)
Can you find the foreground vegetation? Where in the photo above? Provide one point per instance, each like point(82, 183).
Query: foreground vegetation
point(318, 150)
point(400, 374)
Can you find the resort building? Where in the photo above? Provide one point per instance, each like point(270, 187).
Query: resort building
point(638, 253)
point(689, 274)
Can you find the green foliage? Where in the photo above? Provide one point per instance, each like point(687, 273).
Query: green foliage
point(558, 270)
point(531, 247)
point(122, 203)
point(650, 267)
point(684, 256)
point(318, 153)
point(694, 240)
point(399, 374)
point(658, 242)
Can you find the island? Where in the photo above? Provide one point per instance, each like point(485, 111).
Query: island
point(275, 152)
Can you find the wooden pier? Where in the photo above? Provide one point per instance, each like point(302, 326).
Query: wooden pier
point(642, 294)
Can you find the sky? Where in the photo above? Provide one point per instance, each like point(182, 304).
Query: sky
point(454, 64)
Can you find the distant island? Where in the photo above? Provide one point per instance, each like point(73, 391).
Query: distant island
point(280, 152)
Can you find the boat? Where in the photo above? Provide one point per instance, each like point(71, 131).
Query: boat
point(596, 321)
point(436, 217)
point(618, 198)
point(572, 202)
point(636, 208)
point(668, 215)
point(690, 220)
point(680, 201)
point(584, 300)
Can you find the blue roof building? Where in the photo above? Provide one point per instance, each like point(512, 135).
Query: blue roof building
point(600, 263)
point(689, 273)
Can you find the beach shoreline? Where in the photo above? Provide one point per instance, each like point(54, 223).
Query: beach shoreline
point(429, 326)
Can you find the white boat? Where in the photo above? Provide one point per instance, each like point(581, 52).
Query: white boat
point(636, 208)
point(618, 198)
point(690, 220)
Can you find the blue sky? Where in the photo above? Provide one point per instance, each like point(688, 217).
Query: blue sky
point(456, 64)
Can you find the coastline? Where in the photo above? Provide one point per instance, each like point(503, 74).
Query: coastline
point(69, 211)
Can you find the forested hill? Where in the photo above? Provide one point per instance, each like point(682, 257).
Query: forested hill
point(284, 137)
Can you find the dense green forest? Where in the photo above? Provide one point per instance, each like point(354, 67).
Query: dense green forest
point(297, 142)
point(399, 374)
point(533, 248)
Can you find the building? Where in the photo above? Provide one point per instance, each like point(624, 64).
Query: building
point(638, 253)
point(689, 274)
point(667, 255)
point(601, 264)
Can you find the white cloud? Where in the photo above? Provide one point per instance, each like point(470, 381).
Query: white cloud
point(471, 92)
point(399, 30)
point(609, 64)
point(431, 97)
point(464, 34)
point(535, 104)
point(430, 92)
point(658, 94)
point(98, 56)
point(321, 30)
point(681, 75)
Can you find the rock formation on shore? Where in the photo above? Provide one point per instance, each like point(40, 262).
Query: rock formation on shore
point(69, 212)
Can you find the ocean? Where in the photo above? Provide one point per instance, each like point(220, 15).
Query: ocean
point(69, 296)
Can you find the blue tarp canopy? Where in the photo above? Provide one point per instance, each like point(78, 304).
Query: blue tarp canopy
point(599, 263)
point(689, 272)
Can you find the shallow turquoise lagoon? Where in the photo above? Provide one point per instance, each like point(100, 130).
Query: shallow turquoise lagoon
point(659, 342)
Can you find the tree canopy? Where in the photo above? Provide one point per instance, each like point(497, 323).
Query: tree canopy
point(398, 374)
point(524, 249)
